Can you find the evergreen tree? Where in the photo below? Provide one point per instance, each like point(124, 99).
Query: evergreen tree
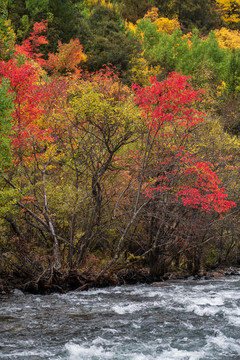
point(108, 42)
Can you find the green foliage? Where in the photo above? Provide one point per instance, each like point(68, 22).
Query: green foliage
point(6, 107)
point(212, 257)
point(132, 258)
point(203, 59)
point(108, 42)
point(147, 33)
point(170, 50)
point(80, 169)
point(36, 6)
point(232, 78)
point(8, 199)
point(63, 17)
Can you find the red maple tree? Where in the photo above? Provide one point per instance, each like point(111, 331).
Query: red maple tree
point(30, 46)
point(168, 106)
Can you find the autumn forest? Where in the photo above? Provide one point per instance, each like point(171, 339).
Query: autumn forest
point(119, 140)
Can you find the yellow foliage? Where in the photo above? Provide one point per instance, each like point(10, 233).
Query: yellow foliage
point(141, 71)
point(7, 39)
point(220, 88)
point(41, 73)
point(228, 8)
point(166, 25)
point(130, 26)
point(228, 38)
point(92, 3)
point(152, 14)
point(211, 138)
point(189, 38)
point(6, 31)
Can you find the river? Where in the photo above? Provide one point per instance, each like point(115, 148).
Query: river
point(187, 320)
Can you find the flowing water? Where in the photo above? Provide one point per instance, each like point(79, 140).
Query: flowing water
point(184, 320)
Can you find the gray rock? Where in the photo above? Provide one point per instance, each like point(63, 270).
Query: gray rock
point(17, 292)
point(208, 277)
point(232, 271)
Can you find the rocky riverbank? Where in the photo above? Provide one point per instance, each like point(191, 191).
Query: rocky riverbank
point(54, 281)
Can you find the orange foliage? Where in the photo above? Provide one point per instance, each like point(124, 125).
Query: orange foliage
point(67, 59)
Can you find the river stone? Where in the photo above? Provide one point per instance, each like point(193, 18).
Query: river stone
point(217, 274)
point(159, 284)
point(231, 272)
point(208, 277)
point(17, 292)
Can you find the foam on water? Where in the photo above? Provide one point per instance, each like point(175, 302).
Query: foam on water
point(100, 341)
point(126, 309)
point(190, 320)
point(175, 354)
point(203, 311)
point(80, 352)
point(27, 354)
point(223, 343)
point(234, 320)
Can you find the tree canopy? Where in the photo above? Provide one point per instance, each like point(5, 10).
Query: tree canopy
point(119, 136)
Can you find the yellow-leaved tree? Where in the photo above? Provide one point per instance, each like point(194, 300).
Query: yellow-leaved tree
point(164, 24)
point(228, 39)
point(230, 11)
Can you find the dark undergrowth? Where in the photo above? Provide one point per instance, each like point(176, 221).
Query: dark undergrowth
point(51, 280)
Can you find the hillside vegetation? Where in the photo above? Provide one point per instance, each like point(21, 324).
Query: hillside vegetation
point(119, 138)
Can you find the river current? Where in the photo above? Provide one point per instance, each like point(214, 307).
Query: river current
point(187, 320)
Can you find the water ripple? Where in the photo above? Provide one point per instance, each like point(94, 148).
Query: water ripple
point(190, 320)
